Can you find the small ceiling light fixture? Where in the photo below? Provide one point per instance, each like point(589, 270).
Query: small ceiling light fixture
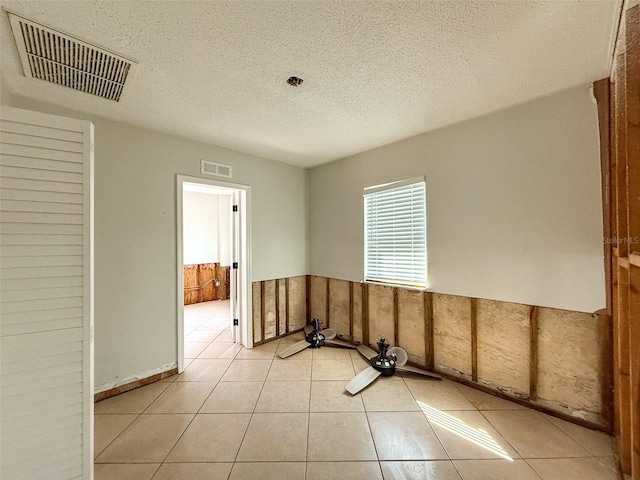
point(294, 81)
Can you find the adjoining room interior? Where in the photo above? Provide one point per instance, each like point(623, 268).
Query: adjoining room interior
point(206, 263)
point(186, 186)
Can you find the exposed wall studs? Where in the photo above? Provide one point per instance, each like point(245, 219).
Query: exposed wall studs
point(620, 229)
point(474, 339)
point(533, 354)
point(351, 311)
point(288, 300)
point(308, 293)
point(619, 120)
point(365, 314)
point(286, 307)
point(327, 303)
point(425, 316)
point(632, 144)
point(262, 302)
point(395, 316)
point(606, 348)
point(427, 301)
point(277, 299)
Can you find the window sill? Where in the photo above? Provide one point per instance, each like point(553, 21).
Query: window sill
point(397, 285)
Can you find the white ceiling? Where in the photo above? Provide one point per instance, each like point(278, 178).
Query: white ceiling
point(374, 72)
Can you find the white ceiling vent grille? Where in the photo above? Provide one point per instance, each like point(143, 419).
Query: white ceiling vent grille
point(217, 169)
point(64, 60)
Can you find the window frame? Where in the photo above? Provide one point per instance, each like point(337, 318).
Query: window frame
point(368, 192)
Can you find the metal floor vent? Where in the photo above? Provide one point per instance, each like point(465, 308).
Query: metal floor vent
point(217, 169)
point(64, 60)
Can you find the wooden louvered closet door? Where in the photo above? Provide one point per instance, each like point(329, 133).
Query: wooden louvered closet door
point(46, 296)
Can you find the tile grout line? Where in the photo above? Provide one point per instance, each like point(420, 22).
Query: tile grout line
point(458, 387)
point(476, 409)
point(567, 435)
point(194, 415)
point(117, 436)
point(501, 434)
point(244, 435)
point(373, 440)
point(200, 408)
point(535, 472)
point(590, 455)
point(446, 451)
point(125, 428)
point(306, 456)
point(218, 381)
point(366, 416)
point(157, 470)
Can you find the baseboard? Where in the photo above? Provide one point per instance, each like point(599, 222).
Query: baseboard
point(262, 342)
point(112, 392)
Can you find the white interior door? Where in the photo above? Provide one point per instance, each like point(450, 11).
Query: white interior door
point(46, 296)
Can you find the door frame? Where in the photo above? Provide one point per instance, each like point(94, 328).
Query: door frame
point(245, 323)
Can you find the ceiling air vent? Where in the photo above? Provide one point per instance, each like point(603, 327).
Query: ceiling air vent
point(64, 60)
point(217, 169)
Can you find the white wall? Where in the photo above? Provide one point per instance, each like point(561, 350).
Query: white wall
point(135, 234)
point(206, 226)
point(513, 204)
point(224, 233)
point(514, 214)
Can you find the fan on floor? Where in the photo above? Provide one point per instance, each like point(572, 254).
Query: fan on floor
point(315, 338)
point(385, 362)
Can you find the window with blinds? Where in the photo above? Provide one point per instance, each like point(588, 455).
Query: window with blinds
point(395, 233)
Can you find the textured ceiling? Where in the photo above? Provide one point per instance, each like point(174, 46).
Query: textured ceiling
point(374, 72)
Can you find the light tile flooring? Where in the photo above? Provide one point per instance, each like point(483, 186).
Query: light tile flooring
point(245, 414)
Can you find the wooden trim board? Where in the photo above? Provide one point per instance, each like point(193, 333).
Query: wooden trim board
point(262, 342)
point(112, 392)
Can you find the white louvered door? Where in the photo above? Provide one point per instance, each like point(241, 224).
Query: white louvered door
point(46, 296)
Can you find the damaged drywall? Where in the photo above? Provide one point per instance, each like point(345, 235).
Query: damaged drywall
point(297, 303)
point(411, 324)
point(339, 306)
point(381, 323)
point(452, 334)
point(504, 346)
point(569, 362)
point(318, 298)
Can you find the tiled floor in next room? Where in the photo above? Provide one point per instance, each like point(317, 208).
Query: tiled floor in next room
point(246, 414)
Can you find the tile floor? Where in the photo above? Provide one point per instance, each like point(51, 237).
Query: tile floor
point(238, 414)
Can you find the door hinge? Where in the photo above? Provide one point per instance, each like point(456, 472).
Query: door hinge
point(235, 208)
point(235, 322)
point(235, 265)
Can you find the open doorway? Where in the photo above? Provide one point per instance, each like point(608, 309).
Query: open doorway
point(214, 289)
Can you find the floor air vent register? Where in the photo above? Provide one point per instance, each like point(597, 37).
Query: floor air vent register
point(59, 58)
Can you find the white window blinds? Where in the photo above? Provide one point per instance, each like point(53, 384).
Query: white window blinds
point(395, 233)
